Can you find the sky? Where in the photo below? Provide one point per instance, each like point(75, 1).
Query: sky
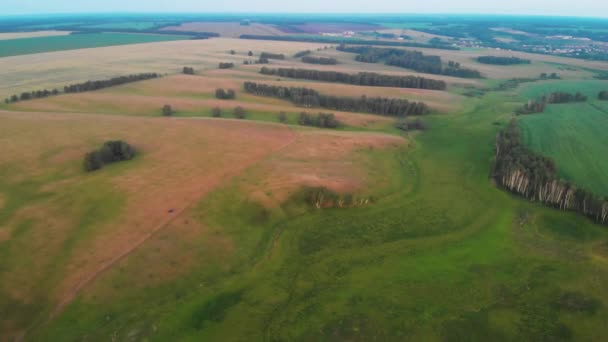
point(592, 8)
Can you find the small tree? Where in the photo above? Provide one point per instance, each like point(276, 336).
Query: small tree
point(282, 117)
point(239, 112)
point(250, 53)
point(230, 94)
point(167, 110)
point(232, 52)
point(188, 71)
point(220, 93)
point(93, 161)
point(216, 112)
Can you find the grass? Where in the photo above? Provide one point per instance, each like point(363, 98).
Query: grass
point(440, 255)
point(24, 46)
point(571, 134)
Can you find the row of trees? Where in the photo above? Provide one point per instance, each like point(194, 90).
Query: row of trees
point(495, 60)
point(110, 152)
point(535, 177)
point(226, 65)
point(538, 106)
point(322, 120)
point(270, 55)
point(362, 78)
point(238, 112)
point(82, 87)
point(311, 98)
point(222, 94)
point(414, 60)
point(319, 60)
point(302, 53)
point(603, 95)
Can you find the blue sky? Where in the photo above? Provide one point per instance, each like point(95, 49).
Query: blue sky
point(596, 8)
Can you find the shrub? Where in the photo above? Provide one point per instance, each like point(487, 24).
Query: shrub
point(226, 65)
point(110, 152)
point(222, 94)
point(216, 112)
point(282, 117)
point(188, 71)
point(250, 53)
point(239, 112)
point(167, 110)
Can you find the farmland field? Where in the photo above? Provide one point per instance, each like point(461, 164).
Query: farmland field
point(24, 46)
point(268, 228)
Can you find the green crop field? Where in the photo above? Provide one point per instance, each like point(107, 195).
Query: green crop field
point(24, 46)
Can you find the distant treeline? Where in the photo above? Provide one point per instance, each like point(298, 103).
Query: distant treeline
point(535, 177)
point(495, 60)
point(538, 106)
point(414, 60)
point(190, 34)
point(362, 78)
point(270, 55)
point(302, 53)
point(306, 97)
point(319, 60)
point(82, 87)
point(321, 120)
point(340, 40)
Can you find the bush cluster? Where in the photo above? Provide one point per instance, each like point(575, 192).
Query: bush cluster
point(110, 152)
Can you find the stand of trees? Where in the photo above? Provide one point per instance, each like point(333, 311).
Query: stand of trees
point(306, 97)
point(322, 120)
point(535, 177)
point(110, 152)
point(222, 94)
point(226, 65)
point(552, 76)
point(302, 53)
point(167, 110)
point(239, 112)
point(82, 87)
point(603, 95)
point(416, 125)
point(362, 78)
point(414, 60)
point(188, 71)
point(319, 60)
point(495, 60)
point(538, 106)
point(270, 55)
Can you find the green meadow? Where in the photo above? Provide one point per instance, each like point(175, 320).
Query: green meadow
point(440, 254)
point(24, 46)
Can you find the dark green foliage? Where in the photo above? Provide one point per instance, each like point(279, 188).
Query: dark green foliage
point(226, 65)
point(577, 302)
point(250, 53)
point(262, 60)
point(302, 53)
point(603, 95)
point(319, 60)
point(310, 98)
point(188, 71)
point(110, 152)
point(362, 78)
point(216, 112)
point(167, 110)
point(215, 309)
point(270, 55)
point(322, 120)
point(414, 60)
point(232, 52)
point(416, 125)
point(495, 60)
point(282, 117)
point(535, 177)
point(552, 76)
point(561, 97)
point(239, 112)
point(222, 94)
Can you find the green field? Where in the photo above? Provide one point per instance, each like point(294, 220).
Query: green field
point(572, 134)
point(24, 46)
point(440, 255)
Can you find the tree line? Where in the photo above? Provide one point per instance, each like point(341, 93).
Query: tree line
point(321, 120)
point(495, 60)
point(110, 152)
point(270, 55)
point(538, 106)
point(238, 112)
point(319, 60)
point(82, 87)
point(414, 60)
point(302, 53)
point(362, 78)
point(341, 40)
point(307, 97)
point(535, 177)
